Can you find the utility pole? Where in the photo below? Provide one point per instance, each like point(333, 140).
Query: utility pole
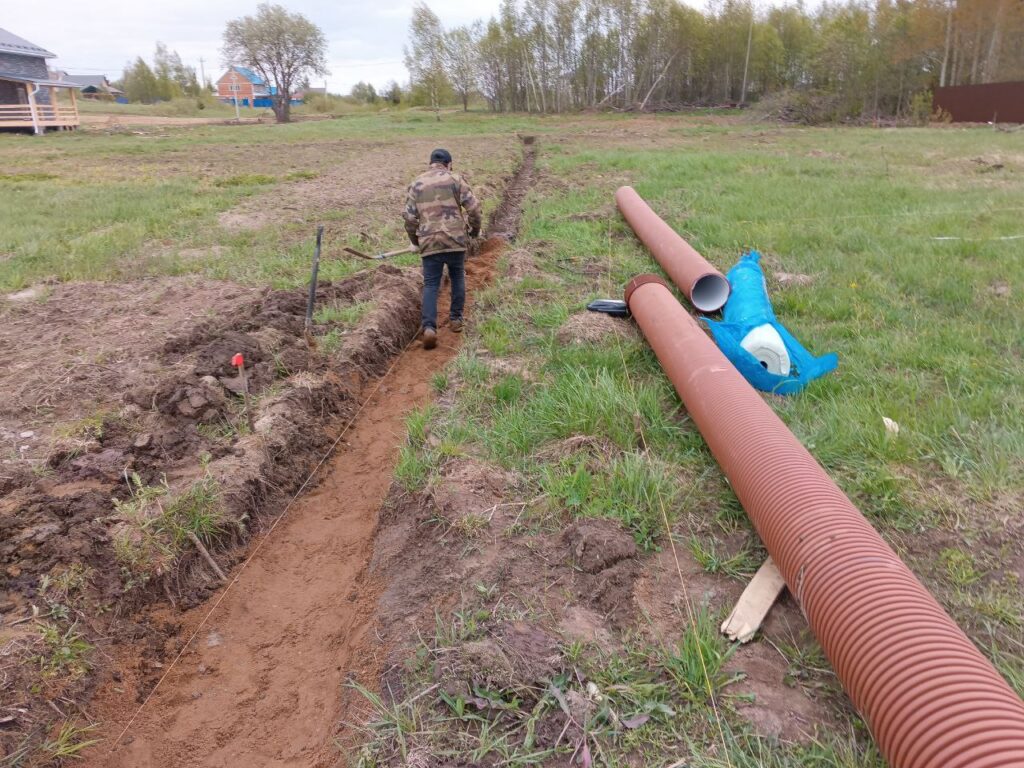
point(234, 93)
point(202, 72)
point(746, 63)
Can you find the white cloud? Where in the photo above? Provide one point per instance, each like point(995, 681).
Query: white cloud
point(365, 39)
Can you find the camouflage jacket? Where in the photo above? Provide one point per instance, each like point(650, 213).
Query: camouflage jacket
point(434, 210)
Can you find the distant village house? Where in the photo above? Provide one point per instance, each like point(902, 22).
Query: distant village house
point(30, 97)
point(245, 86)
point(306, 93)
point(95, 87)
point(248, 88)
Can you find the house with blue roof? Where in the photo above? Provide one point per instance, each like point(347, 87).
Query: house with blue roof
point(247, 87)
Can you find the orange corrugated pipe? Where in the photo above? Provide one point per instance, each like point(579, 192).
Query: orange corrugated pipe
point(931, 699)
point(705, 287)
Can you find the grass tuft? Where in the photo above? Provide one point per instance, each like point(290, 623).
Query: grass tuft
point(65, 652)
point(69, 740)
point(696, 664)
point(246, 180)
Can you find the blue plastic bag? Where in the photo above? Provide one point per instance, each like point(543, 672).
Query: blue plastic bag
point(747, 308)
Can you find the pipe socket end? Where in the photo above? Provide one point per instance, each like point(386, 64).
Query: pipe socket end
point(710, 292)
point(639, 280)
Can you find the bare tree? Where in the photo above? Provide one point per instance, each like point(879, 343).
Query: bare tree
point(833, 61)
point(283, 48)
point(462, 60)
point(425, 59)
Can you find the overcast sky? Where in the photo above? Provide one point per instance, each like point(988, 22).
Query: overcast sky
point(365, 39)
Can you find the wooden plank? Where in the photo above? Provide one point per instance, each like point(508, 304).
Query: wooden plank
point(755, 602)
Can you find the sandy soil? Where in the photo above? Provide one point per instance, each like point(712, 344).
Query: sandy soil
point(93, 119)
point(294, 627)
point(161, 406)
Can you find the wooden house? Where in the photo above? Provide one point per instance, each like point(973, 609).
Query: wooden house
point(95, 87)
point(30, 99)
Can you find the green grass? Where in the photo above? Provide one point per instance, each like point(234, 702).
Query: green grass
point(923, 338)
point(65, 653)
point(342, 313)
point(741, 565)
point(631, 488)
point(89, 205)
point(70, 739)
point(245, 180)
point(157, 526)
point(180, 107)
point(696, 664)
point(925, 334)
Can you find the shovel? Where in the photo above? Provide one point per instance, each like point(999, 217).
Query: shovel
point(380, 256)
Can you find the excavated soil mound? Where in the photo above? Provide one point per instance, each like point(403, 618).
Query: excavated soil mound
point(73, 348)
point(166, 415)
point(419, 554)
point(298, 620)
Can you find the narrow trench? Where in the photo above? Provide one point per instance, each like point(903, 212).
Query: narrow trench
point(260, 684)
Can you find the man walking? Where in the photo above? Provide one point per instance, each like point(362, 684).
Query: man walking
point(434, 209)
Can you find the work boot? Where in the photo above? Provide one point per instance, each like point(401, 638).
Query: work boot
point(456, 325)
point(429, 336)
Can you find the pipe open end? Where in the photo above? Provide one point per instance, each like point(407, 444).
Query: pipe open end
point(710, 292)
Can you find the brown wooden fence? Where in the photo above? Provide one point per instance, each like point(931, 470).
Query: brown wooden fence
point(988, 102)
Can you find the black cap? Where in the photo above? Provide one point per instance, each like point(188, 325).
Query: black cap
point(441, 156)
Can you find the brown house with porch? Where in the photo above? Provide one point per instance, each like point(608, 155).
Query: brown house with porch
point(30, 99)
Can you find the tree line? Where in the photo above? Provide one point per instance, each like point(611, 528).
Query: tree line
point(859, 57)
point(167, 79)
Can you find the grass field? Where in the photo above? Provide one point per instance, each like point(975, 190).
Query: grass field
point(91, 205)
point(912, 280)
point(912, 286)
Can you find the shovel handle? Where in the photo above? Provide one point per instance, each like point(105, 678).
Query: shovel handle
point(399, 252)
point(354, 252)
point(379, 256)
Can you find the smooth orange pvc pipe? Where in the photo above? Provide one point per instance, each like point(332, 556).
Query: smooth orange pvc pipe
point(705, 287)
point(931, 699)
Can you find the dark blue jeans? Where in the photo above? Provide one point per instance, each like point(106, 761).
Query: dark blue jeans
point(433, 269)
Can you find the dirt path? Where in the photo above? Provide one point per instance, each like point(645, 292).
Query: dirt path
point(119, 118)
point(261, 684)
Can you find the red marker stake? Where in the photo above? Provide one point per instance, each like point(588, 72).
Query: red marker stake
point(239, 362)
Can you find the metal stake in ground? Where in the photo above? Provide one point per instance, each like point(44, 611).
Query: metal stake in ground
point(239, 362)
point(312, 281)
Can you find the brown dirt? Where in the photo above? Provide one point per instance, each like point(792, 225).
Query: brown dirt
point(779, 705)
point(598, 544)
point(70, 349)
point(588, 572)
point(95, 120)
point(363, 186)
point(314, 596)
point(305, 596)
point(520, 265)
point(159, 383)
point(786, 279)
